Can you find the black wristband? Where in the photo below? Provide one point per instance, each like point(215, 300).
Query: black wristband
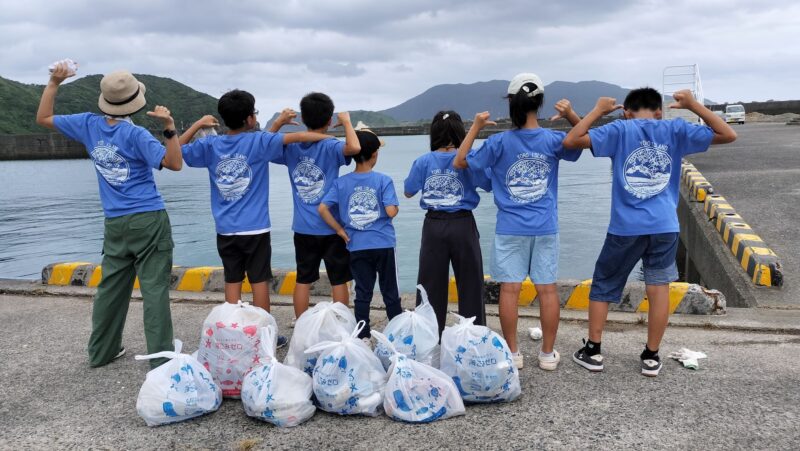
point(170, 133)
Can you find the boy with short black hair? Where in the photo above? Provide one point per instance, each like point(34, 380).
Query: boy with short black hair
point(237, 164)
point(313, 167)
point(645, 153)
point(367, 202)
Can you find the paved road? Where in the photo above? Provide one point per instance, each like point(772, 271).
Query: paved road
point(744, 396)
point(760, 175)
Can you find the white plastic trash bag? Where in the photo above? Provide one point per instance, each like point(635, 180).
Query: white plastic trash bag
point(326, 321)
point(479, 361)
point(277, 393)
point(416, 392)
point(414, 333)
point(177, 390)
point(348, 378)
point(230, 343)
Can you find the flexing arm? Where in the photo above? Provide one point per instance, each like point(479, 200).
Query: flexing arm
point(173, 159)
point(392, 210)
point(44, 116)
point(204, 122)
point(326, 215)
point(286, 117)
point(564, 109)
point(481, 121)
point(723, 133)
point(351, 144)
point(578, 137)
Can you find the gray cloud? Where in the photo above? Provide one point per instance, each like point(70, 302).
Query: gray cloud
point(373, 55)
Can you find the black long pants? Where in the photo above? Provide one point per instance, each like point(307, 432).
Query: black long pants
point(365, 266)
point(452, 238)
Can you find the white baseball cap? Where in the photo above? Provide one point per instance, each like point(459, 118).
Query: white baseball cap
point(521, 79)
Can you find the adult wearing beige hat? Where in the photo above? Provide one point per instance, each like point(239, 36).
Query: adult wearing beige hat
point(137, 237)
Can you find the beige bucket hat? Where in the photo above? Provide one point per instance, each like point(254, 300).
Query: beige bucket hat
point(121, 94)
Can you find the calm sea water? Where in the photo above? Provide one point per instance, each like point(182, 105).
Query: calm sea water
point(50, 212)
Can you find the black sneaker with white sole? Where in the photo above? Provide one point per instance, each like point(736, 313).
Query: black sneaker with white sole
point(119, 354)
point(651, 367)
point(592, 363)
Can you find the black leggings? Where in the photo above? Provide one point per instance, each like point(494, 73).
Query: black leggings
point(452, 238)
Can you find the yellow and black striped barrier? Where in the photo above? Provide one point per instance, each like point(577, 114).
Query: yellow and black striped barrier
point(197, 279)
point(753, 255)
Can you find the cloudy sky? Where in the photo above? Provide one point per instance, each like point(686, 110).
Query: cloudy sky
point(375, 54)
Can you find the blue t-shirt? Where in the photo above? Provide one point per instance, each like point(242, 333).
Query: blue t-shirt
point(524, 172)
point(646, 164)
point(362, 198)
point(238, 171)
point(124, 157)
point(444, 187)
point(313, 167)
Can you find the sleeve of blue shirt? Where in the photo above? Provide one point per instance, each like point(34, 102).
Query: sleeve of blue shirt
point(72, 126)
point(606, 139)
point(692, 138)
point(562, 153)
point(273, 145)
point(149, 149)
point(337, 147)
point(484, 156)
point(388, 194)
point(415, 180)
point(284, 158)
point(331, 198)
point(194, 154)
point(482, 178)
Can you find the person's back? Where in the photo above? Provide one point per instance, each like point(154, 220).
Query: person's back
point(646, 157)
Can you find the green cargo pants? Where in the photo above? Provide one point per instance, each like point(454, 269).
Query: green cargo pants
point(136, 244)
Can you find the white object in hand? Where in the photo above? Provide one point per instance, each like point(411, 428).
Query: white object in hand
point(535, 332)
point(72, 66)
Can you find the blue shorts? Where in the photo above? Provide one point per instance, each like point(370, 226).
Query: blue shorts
point(621, 253)
point(516, 257)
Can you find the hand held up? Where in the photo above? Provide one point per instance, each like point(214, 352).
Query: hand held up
point(606, 105)
point(482, 120)
point(683, 100)
point(62, 70)
point(342, 118)
point(563, 108)
point(287, 117)
point(163, 114)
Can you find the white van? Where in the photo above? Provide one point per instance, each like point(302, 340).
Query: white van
point(734, 113)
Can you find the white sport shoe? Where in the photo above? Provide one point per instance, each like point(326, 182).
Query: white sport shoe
point(517, 358)
point(549, 363)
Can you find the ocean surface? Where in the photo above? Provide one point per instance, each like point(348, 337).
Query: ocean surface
point(50, 212)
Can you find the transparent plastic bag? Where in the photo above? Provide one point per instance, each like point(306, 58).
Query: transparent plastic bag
point(177, 390)
point(277, 393)
point(326, 321)
point(479, 361)
point(416, 392)
point(348, 378)
point(414, 333)
point(230, 343)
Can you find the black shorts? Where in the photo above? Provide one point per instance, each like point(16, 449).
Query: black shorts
point(246, 253)
point(310, 250)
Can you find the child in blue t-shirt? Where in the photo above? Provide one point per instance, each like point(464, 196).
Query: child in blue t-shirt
point(237, 164)
point(523, 164)
point(367, 202)
point(646, 157)
point(313, 167)
point(449, 233)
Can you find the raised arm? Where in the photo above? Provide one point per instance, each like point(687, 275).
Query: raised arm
point(481, 121)
point(351, 144)
point(204, 122)
point(723, 133)
point(44, 115)
point(173, 159)
point(564, 109)
point(286, 117)
point(325, 214)
point(578, 137)
point(303, 137)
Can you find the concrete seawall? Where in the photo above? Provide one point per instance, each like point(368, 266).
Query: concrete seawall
point(574, 294)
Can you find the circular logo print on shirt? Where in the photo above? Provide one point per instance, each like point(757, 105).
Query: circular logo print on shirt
point(110, 164)
point(527, 180)
point(233, 177)
point(309, 180)
point(363, 209)
point(442, 190)
point(647, 171)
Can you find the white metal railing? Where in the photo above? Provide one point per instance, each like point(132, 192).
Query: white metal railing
point(676, 78)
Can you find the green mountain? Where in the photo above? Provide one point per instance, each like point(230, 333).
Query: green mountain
point(20, 102)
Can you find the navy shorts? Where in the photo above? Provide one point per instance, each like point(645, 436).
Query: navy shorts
point(620, 255)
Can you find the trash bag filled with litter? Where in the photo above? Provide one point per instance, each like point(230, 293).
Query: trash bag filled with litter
point(414, 333)
point(326, 321)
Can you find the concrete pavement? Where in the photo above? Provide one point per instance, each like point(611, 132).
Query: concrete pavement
point(744, 396)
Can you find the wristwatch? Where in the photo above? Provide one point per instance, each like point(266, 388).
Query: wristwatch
point(170, 133)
